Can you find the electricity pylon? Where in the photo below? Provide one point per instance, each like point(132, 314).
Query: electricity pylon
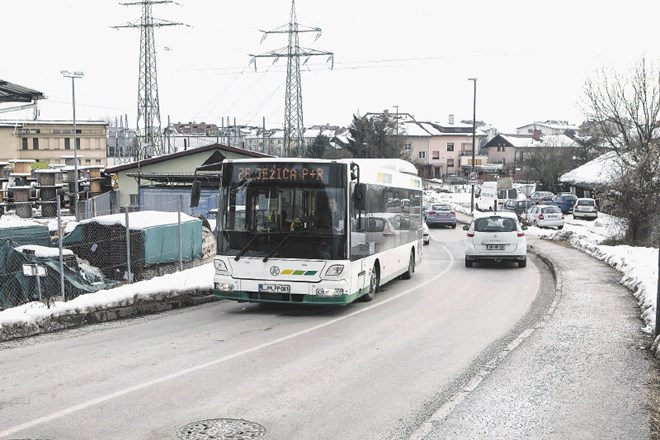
point(149, 133)
point(294, 130)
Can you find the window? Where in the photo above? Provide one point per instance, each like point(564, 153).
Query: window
point(77, 143)
point(35, 143)
point(422, 155)
point(24, 143)
point(436, 155)
point(450, 163)
point(450, 146)
point(67, 143)
point(407, 147)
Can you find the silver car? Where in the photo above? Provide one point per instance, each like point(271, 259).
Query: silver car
point(585, 208)
point(441, 214)
point(544, 216)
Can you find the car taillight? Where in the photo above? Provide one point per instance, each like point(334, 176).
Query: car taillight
point(430, 212)
point(521, 234)
point(540, 216)
point(452, 214)
point(470, 234)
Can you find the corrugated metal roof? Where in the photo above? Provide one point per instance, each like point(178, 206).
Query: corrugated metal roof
point(10, 92)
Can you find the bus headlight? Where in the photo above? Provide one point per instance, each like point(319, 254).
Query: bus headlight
point(334, 270)
point(329, 292)
point(220, 267)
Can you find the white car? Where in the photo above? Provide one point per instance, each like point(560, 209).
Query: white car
point(426, 233)
point(496, 237)
point(585, 208)
point(544, 216)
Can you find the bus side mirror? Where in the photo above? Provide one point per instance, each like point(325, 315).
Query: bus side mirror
point(360, 197)
point(195, 193)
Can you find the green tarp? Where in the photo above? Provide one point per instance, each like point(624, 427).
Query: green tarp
point(32, 234)
point(102, 241)
point(16, 288)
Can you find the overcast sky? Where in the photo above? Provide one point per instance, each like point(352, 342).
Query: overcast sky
point(531, 58)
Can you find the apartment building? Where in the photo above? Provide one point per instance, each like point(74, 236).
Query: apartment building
point(440, 150)
point(48, 142)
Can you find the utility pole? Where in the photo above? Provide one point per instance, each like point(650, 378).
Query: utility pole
point(474, 132)
point(294, 129)
point(150, 136)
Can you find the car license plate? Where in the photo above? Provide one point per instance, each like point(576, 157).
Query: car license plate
point(495, 247)
point(274, 288)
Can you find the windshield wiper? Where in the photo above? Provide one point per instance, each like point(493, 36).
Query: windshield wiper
point(245, 248)
point(277, 246)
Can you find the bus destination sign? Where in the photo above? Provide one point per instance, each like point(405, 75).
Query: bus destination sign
point(282, 172)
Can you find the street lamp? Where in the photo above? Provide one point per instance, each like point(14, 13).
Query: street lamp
point(73, 76)
point(474, 132)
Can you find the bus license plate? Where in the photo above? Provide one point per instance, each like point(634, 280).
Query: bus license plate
point(274, 288)
point(495, 247)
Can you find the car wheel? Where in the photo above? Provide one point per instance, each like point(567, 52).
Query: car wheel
point(374, 285)
point(468, 263)
point(535, 224)
point(560, 227)
point(426, 242)
point(453, 226)
point(522, 263)
point(408, 274)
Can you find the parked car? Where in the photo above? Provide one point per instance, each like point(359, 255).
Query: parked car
point(517, 206)
point(522, 206)
point(541, 197)
point(441, 214)
point(544, 216)
point(586, 208)
point(565, 201)
point(509, 205)
point(496, 237)
point(426, 233)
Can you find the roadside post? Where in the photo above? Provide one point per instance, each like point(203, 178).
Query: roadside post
point(473, 182)
point(35, 270)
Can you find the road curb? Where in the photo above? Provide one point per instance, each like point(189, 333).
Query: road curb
point(76, 318)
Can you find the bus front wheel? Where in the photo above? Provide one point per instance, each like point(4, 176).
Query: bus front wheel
point(374, 285)
point(408, 274)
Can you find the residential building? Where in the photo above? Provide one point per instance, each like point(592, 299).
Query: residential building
point(509, 150)
point(548, 128)
point(445, 149)
point(48, 142)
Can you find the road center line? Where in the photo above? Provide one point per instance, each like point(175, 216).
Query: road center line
point(92, 402)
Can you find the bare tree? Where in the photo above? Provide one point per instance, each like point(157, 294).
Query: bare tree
point(626, 109)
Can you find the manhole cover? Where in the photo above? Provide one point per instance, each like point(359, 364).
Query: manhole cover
point(221, 429)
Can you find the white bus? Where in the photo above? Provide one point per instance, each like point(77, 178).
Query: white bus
point(281, 239)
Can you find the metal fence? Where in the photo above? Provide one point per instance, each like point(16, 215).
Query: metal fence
point(64, 257)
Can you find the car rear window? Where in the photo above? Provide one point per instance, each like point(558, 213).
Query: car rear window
point(441, 208)
point(495, 224)
point(586, 202)
point(550, 210)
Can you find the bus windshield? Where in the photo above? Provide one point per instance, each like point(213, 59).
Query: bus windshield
point(276, 212)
